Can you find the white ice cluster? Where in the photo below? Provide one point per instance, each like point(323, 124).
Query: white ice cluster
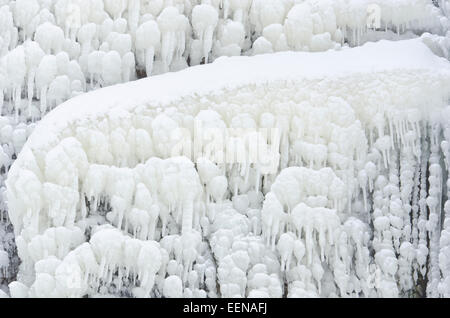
point(121, 199)
point(13, 136)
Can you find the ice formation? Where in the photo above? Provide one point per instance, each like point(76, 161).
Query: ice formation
point(105, 42)
point(127, 196)
point(51, 51)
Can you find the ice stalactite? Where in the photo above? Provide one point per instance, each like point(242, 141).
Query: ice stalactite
point(204, 21)
point(148, 40)
point(245, 266)
point(385, 260)
point(115, 8)
point(16, 70)
point(45, 74)
point(33, 56)
point(407, 251)
point(434, 204)
point(444, 243)
point(422, 248)
point(25, 11)
point(173, 26)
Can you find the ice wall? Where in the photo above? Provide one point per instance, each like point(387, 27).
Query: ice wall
point(119, 198)
point(53, 50)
